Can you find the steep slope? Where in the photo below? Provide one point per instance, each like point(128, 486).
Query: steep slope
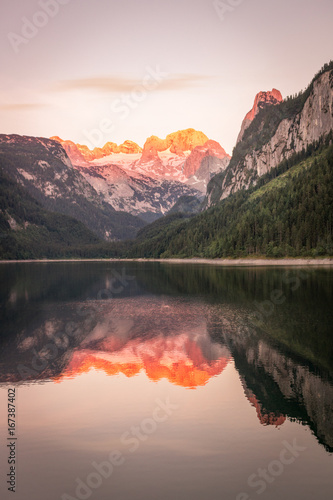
point(275, 134)
point(138, 194)
point(186, 205)
point(27, 230)
point(44, 169)
point(167, 157)
point(262, 100)
point(193, 161)
point(203, 163)
point(288, 213)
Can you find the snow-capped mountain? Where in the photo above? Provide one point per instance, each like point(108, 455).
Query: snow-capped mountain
point(44, 169)
point(141, 195)
point(147, 182)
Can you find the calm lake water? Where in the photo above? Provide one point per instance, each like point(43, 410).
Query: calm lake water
point(152, 381)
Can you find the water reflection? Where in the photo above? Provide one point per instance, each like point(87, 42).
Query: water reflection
point(181, 324)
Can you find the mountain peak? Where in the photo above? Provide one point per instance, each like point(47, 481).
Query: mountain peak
point(193, 161)
point(262, 99)
point(79, 153)
point(178, 142)
point(185, 140)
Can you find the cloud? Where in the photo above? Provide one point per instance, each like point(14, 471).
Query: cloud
point(125, 84)
point(20, 106)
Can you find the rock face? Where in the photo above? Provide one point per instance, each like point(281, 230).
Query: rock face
point(185, 140)
point(167, 157)
point(177, 143)
point(159, 158)
point(193, 161)
point(315, 120)
point(135, 193)
point(76, 153)
point(79, 153)
point(148, 182)
point(42, 166)
point(127, 147)
point(262, 100)
point(258, 152)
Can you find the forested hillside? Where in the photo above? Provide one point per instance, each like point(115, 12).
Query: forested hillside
point(42, 166)
point(288, 213)
point(28, 231)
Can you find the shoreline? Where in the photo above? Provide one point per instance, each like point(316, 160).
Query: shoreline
point(246, 262)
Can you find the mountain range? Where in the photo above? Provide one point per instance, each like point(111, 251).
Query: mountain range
point(116, 190)
point(147, 182)
point(42, 167)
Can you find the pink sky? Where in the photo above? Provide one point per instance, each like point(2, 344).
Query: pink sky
point(87, 72)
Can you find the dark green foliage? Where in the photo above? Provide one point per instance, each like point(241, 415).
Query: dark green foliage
point(290, 213)
point(158, 227)
point(186, 205)
point(38, 232)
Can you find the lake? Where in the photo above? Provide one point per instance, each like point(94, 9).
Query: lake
point(146, 381)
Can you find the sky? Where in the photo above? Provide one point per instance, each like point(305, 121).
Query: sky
point(116, 70)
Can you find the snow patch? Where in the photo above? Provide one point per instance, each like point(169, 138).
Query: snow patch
point(25, 174)
point(43, 164)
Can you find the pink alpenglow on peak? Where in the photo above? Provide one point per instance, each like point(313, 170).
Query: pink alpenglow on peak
point(193, 161)
point(175, 158)
point(79, 153)
point(178, 142)
point(262, 99)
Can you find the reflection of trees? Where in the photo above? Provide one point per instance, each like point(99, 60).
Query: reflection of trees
point(277, 382)
point(286, 367)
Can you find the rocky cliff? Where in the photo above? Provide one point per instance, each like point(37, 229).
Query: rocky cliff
point(276, 133)
point(79, 153)
point(261, 100)
point(194, 160)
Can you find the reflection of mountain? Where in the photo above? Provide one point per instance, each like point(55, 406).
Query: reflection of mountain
point(301, 393)
point(180, 323)
point(179, 359)
point(163, 339)
point(265, 417)
point(279, 384)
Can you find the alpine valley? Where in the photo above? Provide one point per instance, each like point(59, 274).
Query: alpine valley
point(183, 195)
